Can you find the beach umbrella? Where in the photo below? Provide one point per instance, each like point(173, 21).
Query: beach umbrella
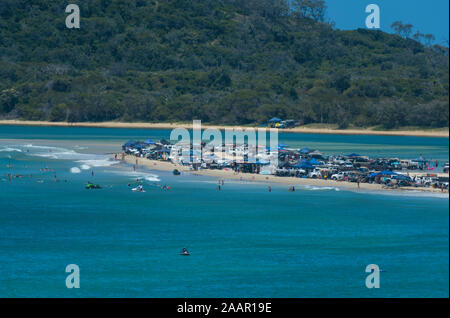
point(283, 145)
point(353, 155)
point(275, 120)
point(374, 174)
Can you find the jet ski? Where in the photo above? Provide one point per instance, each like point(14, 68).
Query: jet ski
point(90, 186)
point(138, 189)
point(185, 252)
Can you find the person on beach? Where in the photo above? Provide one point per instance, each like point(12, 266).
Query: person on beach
point(359, 187)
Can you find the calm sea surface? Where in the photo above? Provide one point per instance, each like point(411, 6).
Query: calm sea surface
point(244, 241)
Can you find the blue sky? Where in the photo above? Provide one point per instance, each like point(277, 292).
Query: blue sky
point(426, 16)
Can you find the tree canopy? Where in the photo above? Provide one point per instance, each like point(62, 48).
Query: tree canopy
point(221, 61)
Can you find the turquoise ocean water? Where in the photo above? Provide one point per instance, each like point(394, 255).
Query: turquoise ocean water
point(244, 241)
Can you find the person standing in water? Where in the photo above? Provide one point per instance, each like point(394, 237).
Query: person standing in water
point(270, 189)
point(92, 173)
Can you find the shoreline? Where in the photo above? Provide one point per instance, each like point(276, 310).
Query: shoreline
point(268, 179)
point(300, 130)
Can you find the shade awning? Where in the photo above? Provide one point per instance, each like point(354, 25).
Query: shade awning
point(305, 150)
point(388, 173)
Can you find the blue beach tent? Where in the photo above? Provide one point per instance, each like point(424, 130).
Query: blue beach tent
point(275, 120)
point(303, 165)
point(388, 173)
point(305, 150)
point(313, 162)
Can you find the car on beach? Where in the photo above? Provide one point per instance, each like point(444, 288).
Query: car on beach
point(315, 174)
point(339, 176)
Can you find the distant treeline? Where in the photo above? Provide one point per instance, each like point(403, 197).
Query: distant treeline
point(221, 61)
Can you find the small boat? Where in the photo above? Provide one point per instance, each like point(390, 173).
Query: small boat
point(176, 172)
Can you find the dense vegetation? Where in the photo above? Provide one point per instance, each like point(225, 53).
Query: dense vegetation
point(222, 61)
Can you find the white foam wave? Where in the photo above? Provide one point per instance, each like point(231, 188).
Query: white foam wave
point(133, 175)
point(8, 149)
point(98, 162)
point(58, 153)
point(75, 170)
point(316, 188)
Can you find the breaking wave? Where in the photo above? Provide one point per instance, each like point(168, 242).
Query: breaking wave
point(133, 175)
point(316, 188)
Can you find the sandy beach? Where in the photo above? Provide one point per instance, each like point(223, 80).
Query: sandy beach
point(288, 181)
point(303, 130)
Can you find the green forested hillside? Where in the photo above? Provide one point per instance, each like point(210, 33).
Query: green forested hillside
point(222, 61)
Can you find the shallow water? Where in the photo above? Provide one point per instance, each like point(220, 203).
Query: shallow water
point(244, 241)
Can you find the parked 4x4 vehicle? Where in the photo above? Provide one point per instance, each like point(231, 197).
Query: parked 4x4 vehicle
point(339, 176)
point(315, 174)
